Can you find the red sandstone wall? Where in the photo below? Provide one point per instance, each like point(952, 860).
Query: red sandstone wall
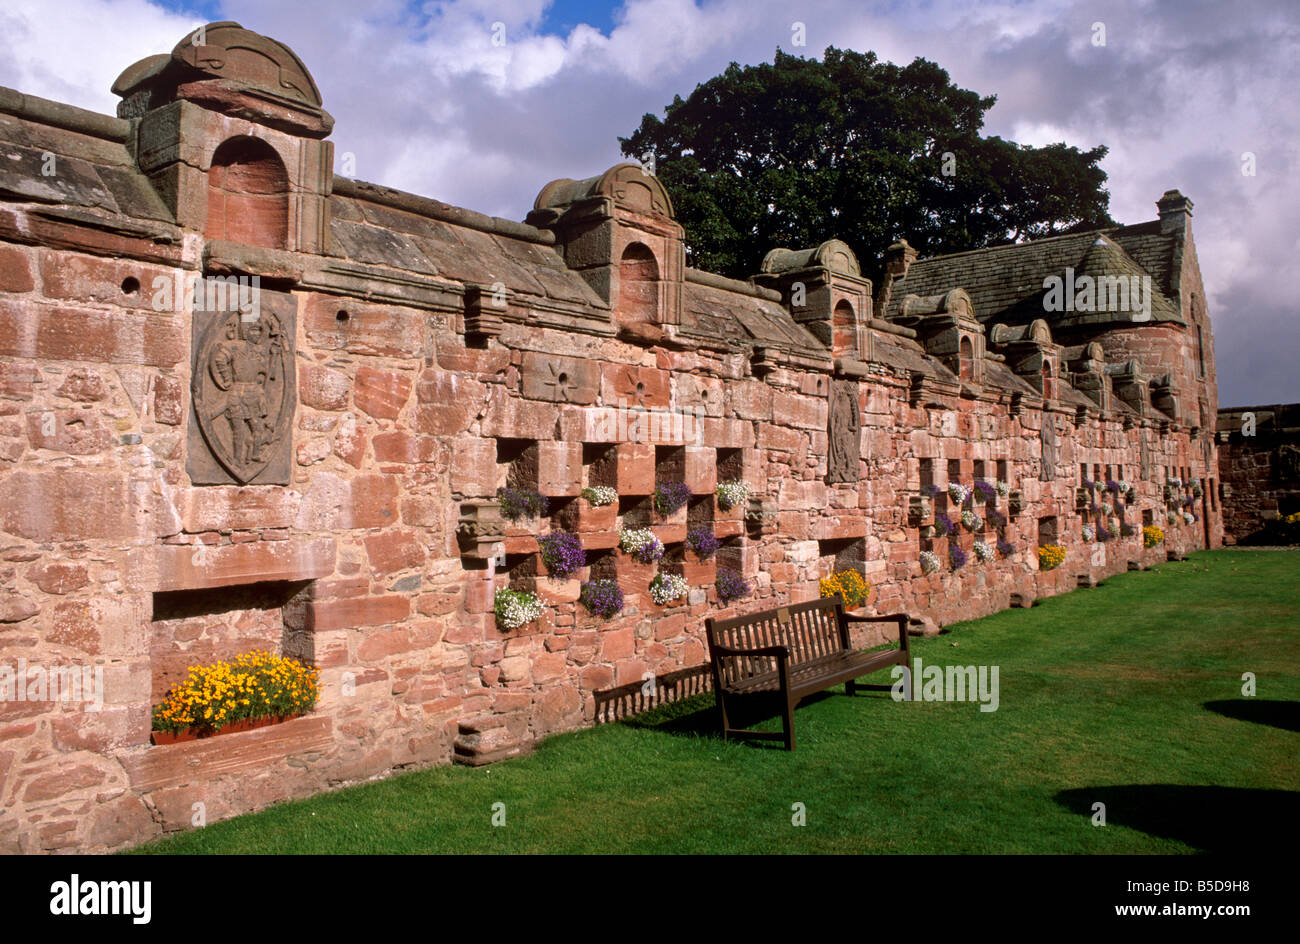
point(397, 423)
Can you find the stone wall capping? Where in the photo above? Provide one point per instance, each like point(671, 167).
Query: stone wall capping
point(444, 212)
point(67, 117)
point(700, 277)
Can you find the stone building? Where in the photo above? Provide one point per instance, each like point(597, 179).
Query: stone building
point(1259, 468)
point(310, 463)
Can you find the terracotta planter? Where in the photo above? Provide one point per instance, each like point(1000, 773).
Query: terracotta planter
point(193, 733)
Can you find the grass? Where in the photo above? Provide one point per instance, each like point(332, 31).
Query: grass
point(1128, 695)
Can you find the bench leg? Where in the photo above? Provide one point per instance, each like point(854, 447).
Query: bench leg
point(789, 726)
point(850, 689)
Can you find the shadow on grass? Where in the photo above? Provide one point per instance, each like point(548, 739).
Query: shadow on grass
point(698, 716)
point(1278, 714)
point(1211, 819)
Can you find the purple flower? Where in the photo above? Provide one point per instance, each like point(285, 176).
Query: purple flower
point(986, 491)
point(1119, 508)
point(932, 490)
point(995, 517)
point(1086, 483)
point(1103, 534)
point(944, 526)
point(956, 557)
point(1095, 508)
point(669, 496)
point(1005, 548)
point(703, 542)
point(602, 597)
point(1112, 486)
point(519, 503)
point(731, 586)
point(562, 553)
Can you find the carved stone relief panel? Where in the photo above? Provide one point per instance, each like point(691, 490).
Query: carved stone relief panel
point(243, 393)
point(844, 428)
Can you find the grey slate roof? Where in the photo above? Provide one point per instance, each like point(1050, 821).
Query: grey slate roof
point(1006, 282)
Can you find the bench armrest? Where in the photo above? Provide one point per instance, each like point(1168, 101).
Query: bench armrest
point(900, 618)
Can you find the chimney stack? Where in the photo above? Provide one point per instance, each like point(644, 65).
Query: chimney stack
point(898, 259)
point(1175, 212)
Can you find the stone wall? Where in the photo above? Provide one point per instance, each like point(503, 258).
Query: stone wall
point(179, 483)
point(1259, 466)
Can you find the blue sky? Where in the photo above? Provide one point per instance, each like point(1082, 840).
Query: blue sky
point(425, 102)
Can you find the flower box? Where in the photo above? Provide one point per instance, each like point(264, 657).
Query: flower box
point(194, 733)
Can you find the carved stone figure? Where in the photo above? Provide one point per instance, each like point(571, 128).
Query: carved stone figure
point(1050, 449)
point(845, 449)
point(243, 399)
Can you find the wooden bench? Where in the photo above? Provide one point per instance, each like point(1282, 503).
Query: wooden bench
point(785, 655)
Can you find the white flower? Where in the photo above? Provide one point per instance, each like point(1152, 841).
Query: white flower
point(599, 495)
point(667, 587)
point(958, 492)
point(731, 494)
point(634, 540)
point(1171, 518)
point(929, 562)
point(1107, 508)
point(1187, 517)
point(514, 608)
point(1003, 489)
point(970, 520)
point(1124, 487)
point(983, 552)
point(1088, 533)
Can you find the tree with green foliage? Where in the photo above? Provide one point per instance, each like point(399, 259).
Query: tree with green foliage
point(797, 151)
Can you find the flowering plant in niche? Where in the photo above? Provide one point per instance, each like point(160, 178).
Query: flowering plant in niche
point(956, 557)
point(849, 585)
point(1050, 556)
point(1103, 534)
point(1171, 518)
point(1088, 533)
point(970, 520)
point(983, 553)
point(667, 587)
point(602, 597)
point(1188, 518)
point(599, 495)
point(1125, 486)
point(562, 553)
point(1005, 548)
point(642, 543)
point(1152, 535)
point(932, 490)
point(995, 517)
point(984, 492)
point(1002, 488)
point(671, 495)
point(929, 562)
point(514, 608)
point(519, 503)
point(944, 526)
point(731, 494)
point(252, 686)
point(702, 541)
point(731, 586)
point(958, 493)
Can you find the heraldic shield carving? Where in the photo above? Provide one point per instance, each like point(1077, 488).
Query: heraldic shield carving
point(243, 397)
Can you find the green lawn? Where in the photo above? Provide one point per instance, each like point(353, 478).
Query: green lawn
point(1128, 694)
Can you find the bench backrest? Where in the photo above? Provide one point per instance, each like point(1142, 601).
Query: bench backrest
point(810, 630)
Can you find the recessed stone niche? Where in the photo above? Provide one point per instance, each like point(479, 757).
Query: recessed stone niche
point(199, 627)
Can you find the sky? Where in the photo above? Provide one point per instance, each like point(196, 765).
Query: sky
point(1185, 94)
